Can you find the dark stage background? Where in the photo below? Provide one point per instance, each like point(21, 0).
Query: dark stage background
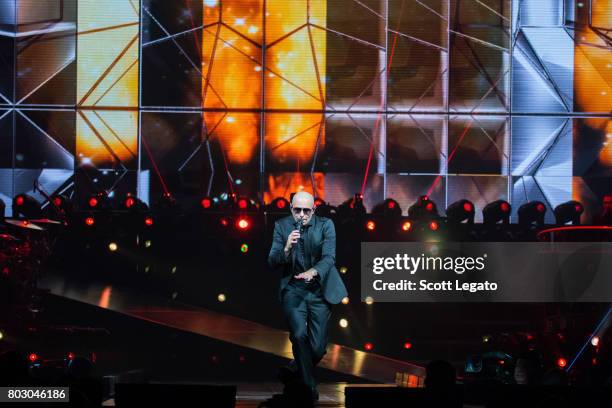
point(476, 99)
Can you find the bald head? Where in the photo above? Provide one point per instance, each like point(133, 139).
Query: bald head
point(303, 199)
point(303, 203)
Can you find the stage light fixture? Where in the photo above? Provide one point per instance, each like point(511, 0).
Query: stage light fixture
point(27, 206)
point(369, 300)
point(90, 221)
point(368, 346)
point(206, 203)
point(343, 269)
point(221, 297)
point(370, 225)
point(433, 225)
point(245, 204)
point(224, 221)
point(60, 205)
point(113, 246)
point(532, 213)
point(243, 224)
point(407, 345)
point(244, 248)
point(148, 221)
point(423, 208)
point(345, 300)
point(343, 323)
point(353, 207)
point(595, 341)
point(497, 211)
point(388, 208)
point(568, 212)
point(460, 211)
point(278, 205)
point(70, 356)
point(406, 226)
point(561, 362)
point(33, 357)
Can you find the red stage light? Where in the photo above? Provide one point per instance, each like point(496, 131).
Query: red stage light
point(33, 357)
point(504, 207)
point(224, 222)
point(391, 205)
point(368, 346)
point(578, 208)
point(93, 202)
point(540, 207)
point(148, 221)
point(371, 225)
point(429, 206)
point(70, 356)
point(407, 345)
point(57, 201)
point(129, 202)
point(242, 204)
point(561, 362)
point(243, 223)
point(433, 226)
point(89, 221)
point(467, 207)
point(19, 200)
point(206, 203)
point(281, 204)
point(406, 226)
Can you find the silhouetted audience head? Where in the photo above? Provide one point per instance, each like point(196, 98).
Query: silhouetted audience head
point(440, 374)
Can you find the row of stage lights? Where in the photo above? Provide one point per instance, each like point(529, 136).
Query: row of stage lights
point(424, 210)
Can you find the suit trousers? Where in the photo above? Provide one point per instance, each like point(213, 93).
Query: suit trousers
point(308, 314)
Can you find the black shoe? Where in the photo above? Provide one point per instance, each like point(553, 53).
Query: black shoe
point(314, 393)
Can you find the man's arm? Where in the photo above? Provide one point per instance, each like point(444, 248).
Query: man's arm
point(278, 255)
point(328, 252)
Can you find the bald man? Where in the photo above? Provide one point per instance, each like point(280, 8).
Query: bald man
point(304, 250)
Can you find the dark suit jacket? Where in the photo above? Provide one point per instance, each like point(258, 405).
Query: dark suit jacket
point(320, 247)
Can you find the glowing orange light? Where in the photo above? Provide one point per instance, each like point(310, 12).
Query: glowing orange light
point(89, 221)
point(561, 362)
point(406, 226)
point(243, 223)
point(371, 225)
point(434, 226)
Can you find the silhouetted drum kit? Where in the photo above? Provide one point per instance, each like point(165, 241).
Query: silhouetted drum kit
point(25, 245)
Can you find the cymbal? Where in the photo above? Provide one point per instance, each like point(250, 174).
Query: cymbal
point(45, 221)
point(7, 237)
point(24, 224)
